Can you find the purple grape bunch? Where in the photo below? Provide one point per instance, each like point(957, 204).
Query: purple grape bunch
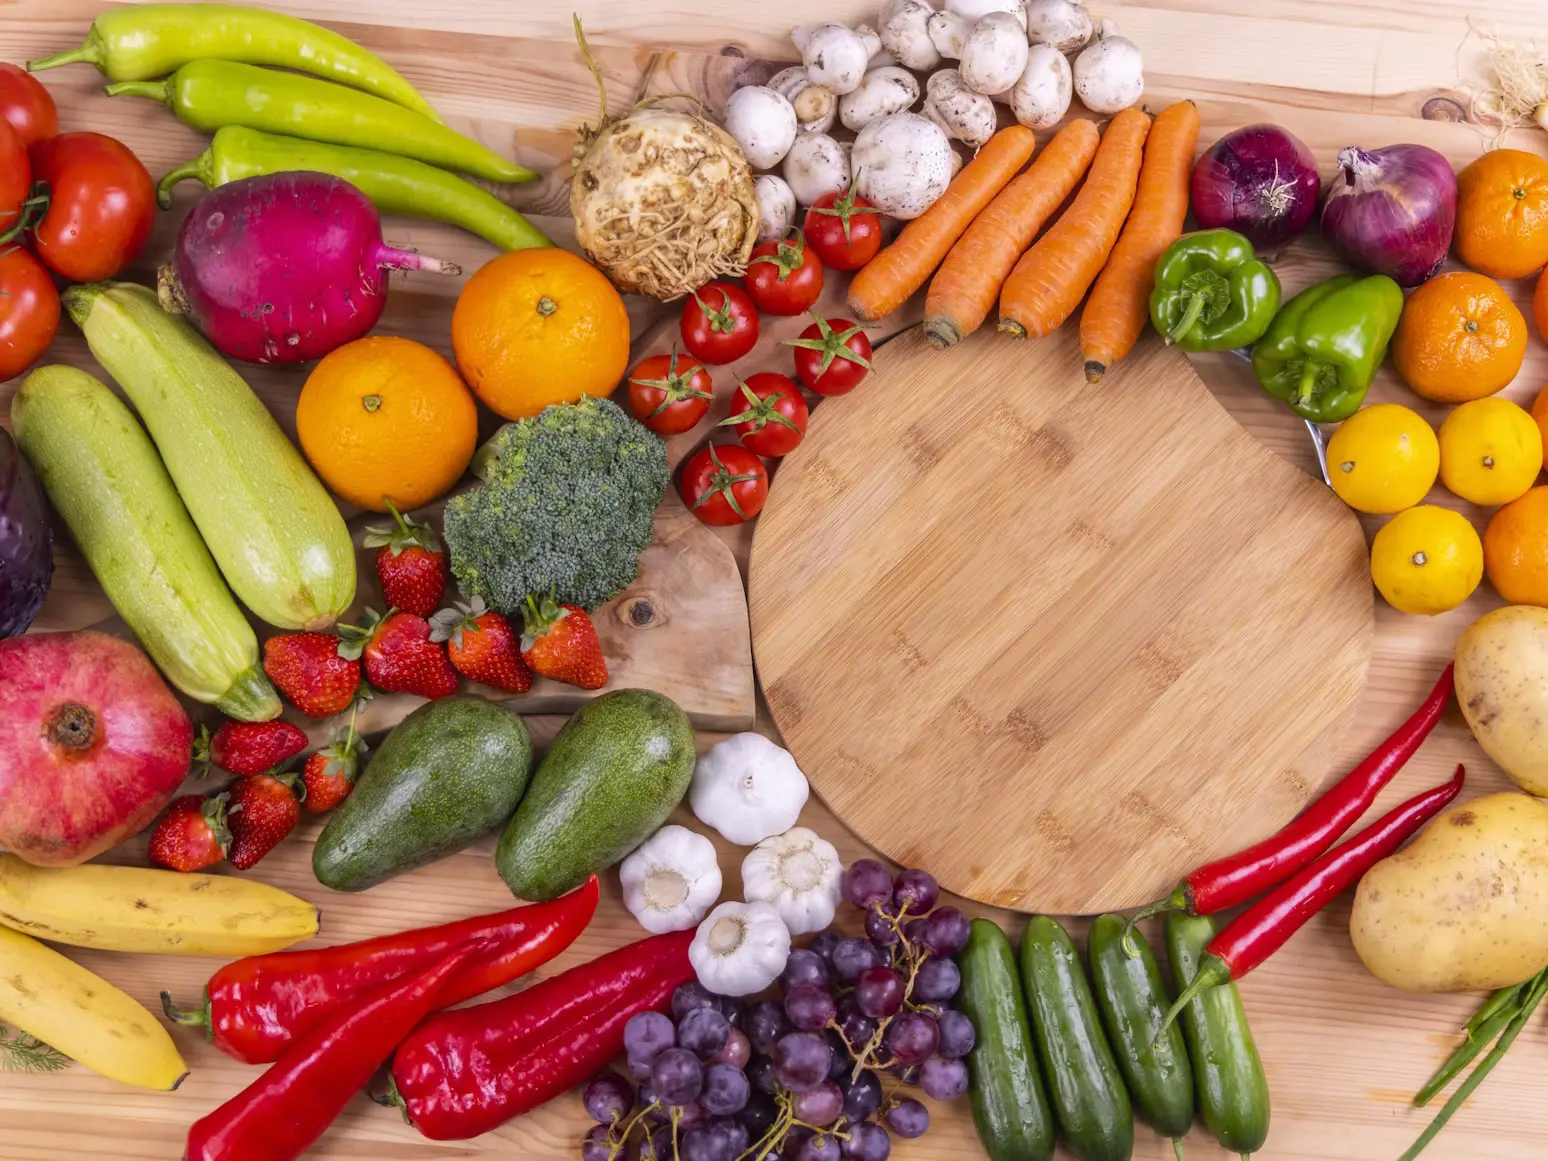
point(821, 1072)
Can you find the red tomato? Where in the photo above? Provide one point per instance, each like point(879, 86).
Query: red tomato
point(844, 230)
point(29, 310)
point(668, 396)
point(15, 179)
point(832, 355)
point(719, 323)
point(25, 103)
point(774, 420)
point(784, 277)
point(725, 484)
point(102, 204)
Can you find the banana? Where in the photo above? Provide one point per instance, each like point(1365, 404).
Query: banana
point(137, 909)
point(84, 1016)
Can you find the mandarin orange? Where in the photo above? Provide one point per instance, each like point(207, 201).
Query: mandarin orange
point(1460, 337)
point(1502, 214)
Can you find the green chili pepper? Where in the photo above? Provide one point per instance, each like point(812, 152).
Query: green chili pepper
point(1212, 293)
point(138, 42)
point(211, 94)
point(397, 185)
point(1325, 345)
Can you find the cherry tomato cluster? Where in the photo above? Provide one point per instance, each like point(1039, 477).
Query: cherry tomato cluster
point(727, 483)
point(83, 201)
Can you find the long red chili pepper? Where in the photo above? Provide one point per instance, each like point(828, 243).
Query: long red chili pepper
point(466, 1072)
point(1263, 928)
point(279, 1115)
point(254, 1007)
point(1237, 878)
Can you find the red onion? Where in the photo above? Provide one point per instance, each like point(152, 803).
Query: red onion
point(1260, 181)
point(1392, 210)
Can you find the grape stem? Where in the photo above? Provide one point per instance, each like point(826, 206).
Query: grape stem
point(865, 1058)
point(629, 1130)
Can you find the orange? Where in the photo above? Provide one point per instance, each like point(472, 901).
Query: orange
point(1540, 414)
point(1502, 214)
point(387, 418)
point(1459, 338)
point(537, 327)
point(1516, 549)
point(1540, 304)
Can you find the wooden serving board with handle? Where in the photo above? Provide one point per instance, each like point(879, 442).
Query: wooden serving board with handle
point(1054, 640)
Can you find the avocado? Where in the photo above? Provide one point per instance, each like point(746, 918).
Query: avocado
point(450, 773)
point(616, 770)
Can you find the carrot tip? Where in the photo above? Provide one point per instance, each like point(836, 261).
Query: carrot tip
point(941, 333)
point(1007, 326)
point(1094, 371)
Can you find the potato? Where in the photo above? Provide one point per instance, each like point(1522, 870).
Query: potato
point(1502, 685)
point(1465, 906)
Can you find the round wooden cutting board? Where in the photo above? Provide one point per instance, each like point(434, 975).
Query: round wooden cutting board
point(1058, 643)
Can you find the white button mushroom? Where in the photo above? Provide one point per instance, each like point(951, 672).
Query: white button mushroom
point(902, 163)
point(1042, 96)
point(995, 54)
point(816, 109)
point(1109, 74)
point(835, 57)
point(776, 206)
point(884, 91)
point(975, 10)
point(763, 123)
point(877, 54)
point(1064, 24)
point(948, 32)
point(814, 166)
point(905, 36)
point(966, 116)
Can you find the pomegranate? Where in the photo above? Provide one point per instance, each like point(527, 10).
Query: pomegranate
point(92, 745)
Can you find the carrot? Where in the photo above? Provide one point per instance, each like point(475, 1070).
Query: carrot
point(885, 282)
point(1119, 306)
point(1050, 280)
point(969, 281)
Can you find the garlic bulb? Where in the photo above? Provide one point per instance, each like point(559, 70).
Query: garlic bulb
point(740, 948)
point(670, 880)
point(748, 789)
point(800, 874)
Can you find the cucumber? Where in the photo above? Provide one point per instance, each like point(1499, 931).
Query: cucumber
point(269, 524)
point(1089, 1099)
point(104, 478)
point(1010, 1104)
point(1133, 1003)
point(449, 774)
point(1227, 1073)
point(616, 770)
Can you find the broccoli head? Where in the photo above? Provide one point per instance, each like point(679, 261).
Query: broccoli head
point(565, 507)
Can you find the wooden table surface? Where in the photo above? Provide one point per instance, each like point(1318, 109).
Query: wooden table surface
point(1343, 1052)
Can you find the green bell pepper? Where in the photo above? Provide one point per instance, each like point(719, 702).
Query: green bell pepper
point(1212, 293)
point(1323, 349)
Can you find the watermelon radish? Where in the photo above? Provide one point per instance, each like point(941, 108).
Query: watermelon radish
point(285, 267)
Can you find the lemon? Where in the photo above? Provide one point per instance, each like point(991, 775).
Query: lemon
point(1383, 459)
point(1427, 560)
point(1490, 451)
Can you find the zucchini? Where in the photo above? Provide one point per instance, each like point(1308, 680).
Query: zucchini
point(1227, 1073)
point(1089, 1099)
point(104, 478)
point(1010, 1104)
point(1133, 1003)
point(268, 522)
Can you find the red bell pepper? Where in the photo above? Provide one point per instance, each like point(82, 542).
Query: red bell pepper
point(466, 1072)
point(279, 1115)
point(254, 1007)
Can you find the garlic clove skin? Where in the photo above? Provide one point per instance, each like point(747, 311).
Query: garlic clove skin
point(670, 880)
point(746, 787)
point(800, 874)
point(740, 948)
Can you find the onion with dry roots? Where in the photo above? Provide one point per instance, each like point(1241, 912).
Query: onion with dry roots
point(663, 201)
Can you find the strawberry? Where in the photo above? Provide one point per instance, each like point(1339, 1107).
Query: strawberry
point(560, 642)
point(263, 810)
point(249, 747)
point(410, 564)
point(192, 834)
point(482, 645)
point(399, 656)
point(309, 671)
point(329, 775)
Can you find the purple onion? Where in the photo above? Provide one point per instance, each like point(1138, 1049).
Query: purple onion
point(1392, 210)
point(1260, 181)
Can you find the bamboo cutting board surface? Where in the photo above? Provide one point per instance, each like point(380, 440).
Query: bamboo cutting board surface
point(1343, 1052)
point(1052, 640)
